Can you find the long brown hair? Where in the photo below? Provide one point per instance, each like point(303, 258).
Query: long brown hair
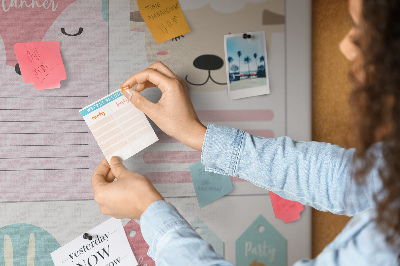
point(375, 101)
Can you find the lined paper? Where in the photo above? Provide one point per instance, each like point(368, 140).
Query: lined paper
point(118, 126)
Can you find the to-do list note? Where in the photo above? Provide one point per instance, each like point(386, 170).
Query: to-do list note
point(118, 126)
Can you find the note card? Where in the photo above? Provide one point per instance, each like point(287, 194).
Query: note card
point(41, 64)
point(118, 126)
point(109, 246)
point(209, 186)
point(164, 18)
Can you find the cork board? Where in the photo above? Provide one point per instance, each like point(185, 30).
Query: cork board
point(330, 108)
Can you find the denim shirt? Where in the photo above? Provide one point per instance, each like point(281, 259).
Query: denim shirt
point(312, 173)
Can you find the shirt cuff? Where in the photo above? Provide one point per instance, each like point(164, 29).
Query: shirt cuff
point(222, 148)
point(158, 219)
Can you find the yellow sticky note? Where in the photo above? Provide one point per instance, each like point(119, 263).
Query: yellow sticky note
point(164, 18)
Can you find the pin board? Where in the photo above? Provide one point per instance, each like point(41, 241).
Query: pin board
point(286, 110)
point(48, 153)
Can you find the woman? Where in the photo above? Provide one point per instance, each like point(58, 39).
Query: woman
point(360, 182)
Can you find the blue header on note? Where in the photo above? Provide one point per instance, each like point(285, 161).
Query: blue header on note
point(102, 102)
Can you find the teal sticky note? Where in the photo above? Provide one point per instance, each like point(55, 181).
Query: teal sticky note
point(209, 186)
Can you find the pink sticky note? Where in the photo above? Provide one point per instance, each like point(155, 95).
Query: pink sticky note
point(138, 244)
point(41, 64)
point(288, 211)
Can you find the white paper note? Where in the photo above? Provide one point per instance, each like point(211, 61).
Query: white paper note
point(108, 247)
point(118, 126)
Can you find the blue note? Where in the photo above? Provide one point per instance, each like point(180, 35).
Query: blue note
point(209, 186)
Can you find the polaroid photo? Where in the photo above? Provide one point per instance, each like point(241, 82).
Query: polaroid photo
point(246, 64)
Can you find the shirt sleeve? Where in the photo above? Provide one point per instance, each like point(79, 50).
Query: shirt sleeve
point(312, 173)
point(172, 241)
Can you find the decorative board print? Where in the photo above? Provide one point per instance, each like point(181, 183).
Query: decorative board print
point(287, 210)
point(138, 244)
point(208, 235)
point(25, 244)
point(197, 58)
point(46, 149)
point(209, 186)
point(261, 245)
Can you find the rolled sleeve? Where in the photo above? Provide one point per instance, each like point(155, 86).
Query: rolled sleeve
point(222, 147)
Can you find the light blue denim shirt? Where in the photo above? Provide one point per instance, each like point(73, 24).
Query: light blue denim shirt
point(312, 173)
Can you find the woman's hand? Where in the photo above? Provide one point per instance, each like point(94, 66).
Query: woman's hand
point(127, 197)
point(174, 113)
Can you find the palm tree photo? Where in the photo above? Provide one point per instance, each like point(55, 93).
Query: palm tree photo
point(247, 60)
point(239, 53)
point(230, 60)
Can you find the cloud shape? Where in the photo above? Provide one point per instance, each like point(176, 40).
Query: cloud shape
point(222, 6)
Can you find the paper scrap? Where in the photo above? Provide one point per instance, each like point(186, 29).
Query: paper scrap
point(209, 186)
point(41, 64)
point(164, 18)
point(288, 211)
point(118, 126)
point(138, 244)
point(261, 244)
point(109, 246)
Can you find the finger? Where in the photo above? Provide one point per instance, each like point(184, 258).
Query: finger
point(140, 102)
point(160, 67)
point(100, 174)
point(159, 80)
point(118, 169)
point(110, 177)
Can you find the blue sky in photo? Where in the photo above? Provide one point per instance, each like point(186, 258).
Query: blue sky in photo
point(248, 47)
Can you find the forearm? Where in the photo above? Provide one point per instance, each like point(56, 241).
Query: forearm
point(312, 173)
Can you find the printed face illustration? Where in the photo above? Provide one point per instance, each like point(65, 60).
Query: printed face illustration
point(203, 48)
point(52, 117)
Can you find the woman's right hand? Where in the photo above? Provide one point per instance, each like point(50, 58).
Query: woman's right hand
point(174, 112)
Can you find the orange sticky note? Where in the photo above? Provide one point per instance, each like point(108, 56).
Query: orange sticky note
point(164, 18)
point(41, 64)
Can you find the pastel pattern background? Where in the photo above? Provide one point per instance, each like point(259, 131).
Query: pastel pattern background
point(25, 244)
point(46, 150)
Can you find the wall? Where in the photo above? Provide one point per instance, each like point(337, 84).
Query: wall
point(331, 88)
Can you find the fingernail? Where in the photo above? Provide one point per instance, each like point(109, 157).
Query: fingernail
point(125, 88)
point(115, 160)
point(128, 94)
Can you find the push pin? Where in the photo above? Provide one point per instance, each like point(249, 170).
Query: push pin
point(246, 36)
point(87, 236)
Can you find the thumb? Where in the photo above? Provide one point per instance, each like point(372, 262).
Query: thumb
point(139, 101)
point(117, 167)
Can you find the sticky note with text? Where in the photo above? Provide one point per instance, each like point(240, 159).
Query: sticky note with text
point(164, 18)
point(118, 126)
point(41, 64)
point(209, 186)
point(108, 246)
